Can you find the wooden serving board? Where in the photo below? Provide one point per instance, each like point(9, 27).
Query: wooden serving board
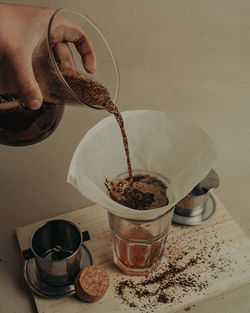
point(199, 262)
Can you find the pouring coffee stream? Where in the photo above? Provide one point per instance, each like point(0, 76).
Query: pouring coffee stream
point(113, 109)
point(97, 96)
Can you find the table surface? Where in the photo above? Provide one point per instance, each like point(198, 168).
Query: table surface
point(201, 262)
point(188, 58)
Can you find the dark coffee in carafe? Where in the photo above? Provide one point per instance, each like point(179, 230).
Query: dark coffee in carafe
point(21, 126)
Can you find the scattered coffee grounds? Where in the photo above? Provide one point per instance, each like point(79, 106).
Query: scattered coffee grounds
point(159, 286)
point(148, 192)
point(184, 271)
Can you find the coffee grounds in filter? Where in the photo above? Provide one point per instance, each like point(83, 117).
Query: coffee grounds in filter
point(149, 192)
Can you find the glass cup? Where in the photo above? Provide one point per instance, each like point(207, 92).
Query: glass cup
point(138, 245)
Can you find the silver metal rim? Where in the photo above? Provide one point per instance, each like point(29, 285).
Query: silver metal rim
point(209, 209)
point(53, 221)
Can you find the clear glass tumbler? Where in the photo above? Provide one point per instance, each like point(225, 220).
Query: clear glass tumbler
point(138, 246)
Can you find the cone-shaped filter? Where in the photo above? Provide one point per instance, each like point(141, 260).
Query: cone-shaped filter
point(179, 152)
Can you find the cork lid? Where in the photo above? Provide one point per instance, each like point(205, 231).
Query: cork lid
point(92, 283)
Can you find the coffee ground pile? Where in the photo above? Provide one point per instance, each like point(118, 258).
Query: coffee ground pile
point(184, 273)
point(90, 91)
point(149, 192)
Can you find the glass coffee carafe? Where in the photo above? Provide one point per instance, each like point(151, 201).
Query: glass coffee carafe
point(19, 125)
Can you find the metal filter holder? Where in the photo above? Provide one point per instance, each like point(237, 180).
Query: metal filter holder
point(198, 206)
point(55, 257)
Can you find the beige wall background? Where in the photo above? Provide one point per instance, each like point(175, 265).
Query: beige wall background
point(188, 58)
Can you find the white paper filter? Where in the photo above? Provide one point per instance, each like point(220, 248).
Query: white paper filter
point(179, 151)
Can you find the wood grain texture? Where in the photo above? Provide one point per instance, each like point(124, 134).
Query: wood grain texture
point(219, 246)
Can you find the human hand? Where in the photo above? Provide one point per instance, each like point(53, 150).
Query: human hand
point(22, 30)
